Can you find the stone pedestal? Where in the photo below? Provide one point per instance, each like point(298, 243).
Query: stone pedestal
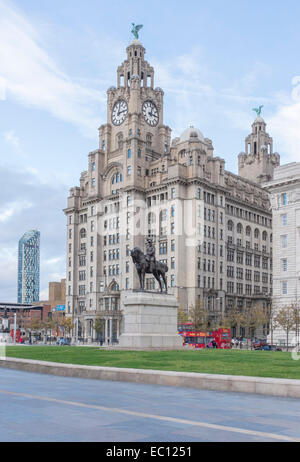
point(150, 321)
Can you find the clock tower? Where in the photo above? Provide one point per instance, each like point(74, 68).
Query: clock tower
point(134, 134)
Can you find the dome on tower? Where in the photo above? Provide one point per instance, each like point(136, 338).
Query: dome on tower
point(136, 42)
point(259, 120)
point(191, 133)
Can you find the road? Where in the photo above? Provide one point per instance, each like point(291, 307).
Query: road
point(36, 407)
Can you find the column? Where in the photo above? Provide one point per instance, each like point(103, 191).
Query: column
point(110, 330)
point(105, 331)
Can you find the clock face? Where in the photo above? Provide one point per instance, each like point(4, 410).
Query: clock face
point(119, 112)
point(150, 113)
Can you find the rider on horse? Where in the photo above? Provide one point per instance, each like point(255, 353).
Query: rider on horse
point(150, 254)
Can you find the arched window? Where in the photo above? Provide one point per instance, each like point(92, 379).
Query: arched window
point(115, 287)
point(239, 228)
point(256, 233)
point(230, 226)
point(264, 236)
point(248, 231)
point(83, 233)
point(117, 178)
point(151, 218)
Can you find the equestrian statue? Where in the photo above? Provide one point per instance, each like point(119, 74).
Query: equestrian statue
point(147, 264)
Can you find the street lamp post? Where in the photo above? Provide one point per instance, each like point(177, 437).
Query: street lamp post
point(15, 326)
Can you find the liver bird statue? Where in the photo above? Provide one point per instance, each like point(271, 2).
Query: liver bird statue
point(258, 110)
point(136, 29)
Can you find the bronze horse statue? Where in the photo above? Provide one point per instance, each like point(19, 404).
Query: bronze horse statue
point(143, 267)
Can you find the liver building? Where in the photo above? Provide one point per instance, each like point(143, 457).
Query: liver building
point(211, 227)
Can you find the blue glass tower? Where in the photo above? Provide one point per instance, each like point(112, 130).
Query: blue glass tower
point(29, 267)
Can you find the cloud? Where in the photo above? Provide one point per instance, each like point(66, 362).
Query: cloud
point(12, 139)
point(12, 208)
point(286, 121)
point(31, 77)
point(196, 95)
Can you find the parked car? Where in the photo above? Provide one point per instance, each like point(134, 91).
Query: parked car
point(63, 342)
point(258, 343)
point(268, 348)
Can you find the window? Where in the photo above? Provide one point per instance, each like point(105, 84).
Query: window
point(129, 153)
point(248, 289)
point(129, 170)
point(230, 255)
point(81, 290)
point(172, 193)
point(284, 265)
point(93, 182)
point(248, 259)
point(284, 199)
point(82, 275)
point(172, 280)
point(163, 248)
point(173, 263)
point(284, 220)
point(93, 166)
point(284, 242)
point(284, 288)
point(173, 246)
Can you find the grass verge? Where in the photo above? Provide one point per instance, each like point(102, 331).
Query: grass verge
point(228, 362)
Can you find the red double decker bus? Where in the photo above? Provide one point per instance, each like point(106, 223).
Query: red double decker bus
point(199, 339)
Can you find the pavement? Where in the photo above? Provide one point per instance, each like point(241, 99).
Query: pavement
point(43, 408)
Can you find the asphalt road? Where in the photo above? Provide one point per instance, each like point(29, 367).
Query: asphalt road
point(36, 407)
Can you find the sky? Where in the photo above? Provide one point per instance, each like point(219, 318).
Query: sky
point(215, 61)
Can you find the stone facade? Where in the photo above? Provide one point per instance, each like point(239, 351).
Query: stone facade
point(285, 201)
point(211, 227)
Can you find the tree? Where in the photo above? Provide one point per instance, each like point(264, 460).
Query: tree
point(67, 325)
point(46, 326)
point(198, 316)
point(297, 320)
point(233, 318)
point(253, 318)
point(99, 326)
point(35, 326)
point(271, 320)
point(182, 316)
point(285, 318)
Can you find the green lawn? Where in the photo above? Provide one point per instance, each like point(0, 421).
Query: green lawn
point(231, 362)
